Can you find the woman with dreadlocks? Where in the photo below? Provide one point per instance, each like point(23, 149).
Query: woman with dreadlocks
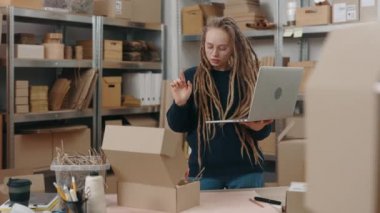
point(220, 87)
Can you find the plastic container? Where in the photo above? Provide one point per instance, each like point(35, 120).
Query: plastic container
point(63, 173)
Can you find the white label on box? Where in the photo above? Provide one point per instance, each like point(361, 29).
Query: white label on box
point(298, 32)
point(339, 12)
point(367, 3)
point(118, 6)
point(288, 32)
point(297, 187)
point(352, 14)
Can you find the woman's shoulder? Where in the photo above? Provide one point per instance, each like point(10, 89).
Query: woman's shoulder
point(190, 72)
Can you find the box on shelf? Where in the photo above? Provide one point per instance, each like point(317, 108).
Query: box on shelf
point(32, 4)
point(30, 51)
point(113, 8)
point(113, 50)
point(22, 84)
point(54, 51)
point(345, 11)
point(39, 148)
point(195, 17)
point(146, 11)
point(22, 108)
point(111, 91)
point(317, 15)
point(21, 100)
point(23, 92)
point(369, 10)
point(153, 183)
point(63, 173)
point(308, 70)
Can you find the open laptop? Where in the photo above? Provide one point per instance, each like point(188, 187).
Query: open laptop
point(275, 94)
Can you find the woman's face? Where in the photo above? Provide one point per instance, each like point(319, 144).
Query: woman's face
point(218, 48)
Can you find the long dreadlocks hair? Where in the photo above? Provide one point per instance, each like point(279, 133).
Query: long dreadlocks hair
point(244, 70)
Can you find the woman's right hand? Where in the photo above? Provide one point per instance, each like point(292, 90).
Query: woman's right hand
point(181, 90)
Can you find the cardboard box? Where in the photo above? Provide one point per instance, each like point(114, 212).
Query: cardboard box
point(345, 11)
point(29, 51)
point(141, 120)
point(146, 11)
point(308, 67)
point(153, 182)
point(22, 84)
point(32, 4)
point(337, 156)
point(369, 10)
point(113, 8)
point(21, 100)
point(195, 17)
point(111, 182)
point(37, 150)
point(298, 129)
point(118, 122)
point(317, 15)
point(22, 92)
point(22, 108)
point(112, 50)
point(111, 91)
point(295, 197)
point(269, 145)
point(291, 161)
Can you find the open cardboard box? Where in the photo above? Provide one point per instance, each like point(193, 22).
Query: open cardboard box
point(149, 166)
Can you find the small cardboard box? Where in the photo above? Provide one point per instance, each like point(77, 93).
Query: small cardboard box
point(317, 15)
point(111, 91)
point(369, 10)
point(345, 11)
point(29, 51)
point(149, 167)
point(32, 4)
point(295, 197)
point(22, 84)
point(113, 8)
point(195, 17)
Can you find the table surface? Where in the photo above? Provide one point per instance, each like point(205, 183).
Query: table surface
point(220, 201)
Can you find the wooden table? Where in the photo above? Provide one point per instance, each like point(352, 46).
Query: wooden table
point(220, 201)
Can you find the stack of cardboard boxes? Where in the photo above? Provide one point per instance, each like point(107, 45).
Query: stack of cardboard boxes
point(22, 97)
point(244, 12)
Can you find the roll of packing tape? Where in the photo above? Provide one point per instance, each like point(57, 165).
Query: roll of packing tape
point(68, 52)
point(54, 51)
point(96, 202)
point(78, 52)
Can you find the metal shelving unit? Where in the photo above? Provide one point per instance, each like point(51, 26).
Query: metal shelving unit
point(126, 28)
point(256, 34)
point(60, 20)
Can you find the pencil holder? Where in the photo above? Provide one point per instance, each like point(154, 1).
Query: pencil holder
point(75, 207)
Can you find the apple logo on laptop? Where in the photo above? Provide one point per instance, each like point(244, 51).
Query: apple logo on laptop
point(278, 93)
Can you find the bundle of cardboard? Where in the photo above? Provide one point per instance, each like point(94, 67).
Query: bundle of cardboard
point(247, 14)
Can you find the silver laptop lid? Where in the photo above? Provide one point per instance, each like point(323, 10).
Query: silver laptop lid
point(275, 94)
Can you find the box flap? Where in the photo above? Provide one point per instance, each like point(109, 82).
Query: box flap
point(144, 155)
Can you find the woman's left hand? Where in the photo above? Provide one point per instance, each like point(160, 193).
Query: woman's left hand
point(257, 125)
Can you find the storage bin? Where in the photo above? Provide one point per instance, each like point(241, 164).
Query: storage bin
point(63, 173)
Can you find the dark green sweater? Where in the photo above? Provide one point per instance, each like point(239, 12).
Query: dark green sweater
point(223, 157)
